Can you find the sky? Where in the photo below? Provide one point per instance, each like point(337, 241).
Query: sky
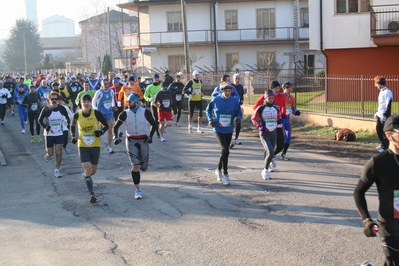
point(76, 10)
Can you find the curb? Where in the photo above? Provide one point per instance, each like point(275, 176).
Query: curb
point(2, 159)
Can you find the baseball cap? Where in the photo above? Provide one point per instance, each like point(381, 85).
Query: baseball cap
point(86, 97)
point(392, 123)
point(287, 84)
point(195, 72)
point(155, 76)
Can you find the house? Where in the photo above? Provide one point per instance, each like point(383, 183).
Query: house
point(96, 42)
point(357, 37)
point(222, 34)
point(61, 49)
point(57, 26)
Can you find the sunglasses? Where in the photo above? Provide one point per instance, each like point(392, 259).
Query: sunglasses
point(54, 99)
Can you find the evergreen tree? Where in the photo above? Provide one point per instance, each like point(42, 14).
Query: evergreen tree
point(107, 64)
point(24, 36)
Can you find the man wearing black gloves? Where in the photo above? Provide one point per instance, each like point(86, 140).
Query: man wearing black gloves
point(383, 170)
point(137, 140)
point(89, 139)
point(177, 89)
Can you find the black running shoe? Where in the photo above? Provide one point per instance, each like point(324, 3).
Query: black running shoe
point(93, 200)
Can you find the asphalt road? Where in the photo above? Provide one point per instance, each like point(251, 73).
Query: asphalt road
point(304, 215)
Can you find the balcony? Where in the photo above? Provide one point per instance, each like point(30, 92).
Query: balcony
point(206, 37)
point(384, 24)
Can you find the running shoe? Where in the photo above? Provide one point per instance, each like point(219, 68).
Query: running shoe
point(2, 122)
point(46, 159)
point(226, 180)
point(23, 131)
point(176, 124)
point(238, 141)
point(93, 200)
point(39, 139)
point(219, 176)
point(137, 194)
point(57, 173)
point(163, 139)
point(199, 130)
point(190, 129)
point(379, 147)
point(12, 113)
point(232, 144)
point(32, 139)
point(282, 157)
point(273, 163)
point(265, 174)
point(270, 169)
point(110, 150)
point(26, 122)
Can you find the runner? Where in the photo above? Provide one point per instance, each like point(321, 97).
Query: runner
point(54, 115)
point(193, 88)
point(65, 130)
point(126, 90)
point(89, 143)
point(164, 102)
point(149, 96)
point(4, 96)
point(86, 90)
point(266, 118)
point(43, 91)
point(32, 100)
point(177, 89)
point(226, 110)
point(137, 140)
point(103, 101)
point(240, 91)
point(74, 88)
point(22, 111)
point(10, 86)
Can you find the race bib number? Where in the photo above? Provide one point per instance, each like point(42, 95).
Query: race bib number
point(45, 95)
point(166, 103)
point(178, 97)
point(74, 88)
point(271, 123)
point(55, 126)
point(396, 204)
point(33, 107)
point(19, 100)
point(88, 138)
point(107, 104)
point(225, 120)
point(197, 91)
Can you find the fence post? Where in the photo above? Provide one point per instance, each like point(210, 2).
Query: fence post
point(325, 91)
point(362, 93)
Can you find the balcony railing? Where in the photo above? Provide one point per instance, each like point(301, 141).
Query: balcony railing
point(384, 20)
point(277, 34)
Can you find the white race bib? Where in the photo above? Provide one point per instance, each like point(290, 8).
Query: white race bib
point(225, 120)
point(107, 104)
point(55, 126)
point(88, 138)
point(33, 107)
point(166, 103)
point(178, 97)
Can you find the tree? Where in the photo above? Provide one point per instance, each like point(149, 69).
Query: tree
point(107, 64)
point(47, 62)
point(23, 37)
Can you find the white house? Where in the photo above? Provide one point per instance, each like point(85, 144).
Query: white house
point(57, 26)
point(357, 37)
point(253, 34)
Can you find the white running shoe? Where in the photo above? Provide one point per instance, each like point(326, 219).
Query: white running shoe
point(26, 122)
point(23, 131)
point(238, 141)
point(270, 169)
point(137, 194)
point(226, 180)
point(57, 173)
point(110, 150)
point(46, 159)
point(163, 139)
point(199, 130)
point(190, 129)
point(265, 174)
point(379, 147)
point(219, 176)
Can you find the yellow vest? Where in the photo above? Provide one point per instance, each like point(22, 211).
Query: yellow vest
point(197, 88)
point(87, 126)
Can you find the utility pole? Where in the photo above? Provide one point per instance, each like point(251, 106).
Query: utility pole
point(186, 46)
point(109, 39)
point(26, 68)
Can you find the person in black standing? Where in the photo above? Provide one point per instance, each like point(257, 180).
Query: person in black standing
point(384, 110)
point(240, 91)
point(383, 170)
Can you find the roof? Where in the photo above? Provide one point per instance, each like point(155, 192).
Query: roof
point(57, 18)
point(60, 42)
point(135, 4)
point(115, 16)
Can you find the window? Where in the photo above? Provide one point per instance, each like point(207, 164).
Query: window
point(231, 19)
point(266, 23)
point(304, 17)
point(176, 62)
point(309, 63)
point(266, 60)
point(174, 21)
point(352, 6)
point(231, 59)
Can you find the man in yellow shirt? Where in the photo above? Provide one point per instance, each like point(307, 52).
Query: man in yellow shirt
point(194, 89)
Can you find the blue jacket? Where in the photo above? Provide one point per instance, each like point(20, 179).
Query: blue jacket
point(217, 92)
point(224, 111)
point(19, 98)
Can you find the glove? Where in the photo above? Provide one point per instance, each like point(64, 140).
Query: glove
point(98, 133)
point(149, 140)
point(284, 116)
point(237, 120)
point(280, 121)
point(48, 128)
point(117, 141)
point(383, 118)
point(211, 123)
point(261, 128)
point(297, 113)
point(370, 228)
point(74, 140)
